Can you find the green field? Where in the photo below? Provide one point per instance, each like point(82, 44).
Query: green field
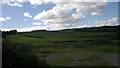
point(70, 47)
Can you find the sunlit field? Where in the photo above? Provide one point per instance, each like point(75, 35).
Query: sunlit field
point(71, 47)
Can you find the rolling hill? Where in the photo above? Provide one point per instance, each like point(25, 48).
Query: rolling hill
point(72, 47)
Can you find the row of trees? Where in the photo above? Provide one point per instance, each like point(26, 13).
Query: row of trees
point(100, 29)
point(87, 29)
point(5, 33)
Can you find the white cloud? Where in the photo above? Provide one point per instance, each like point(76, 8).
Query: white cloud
point(4, 19)
point(14, 4)
point(57, 16)
point(61, 16)
point(28, 29)
point(25, 19)
point(8, 18)
point(26, 14)
point(110, 22)
point(36, 23)
point(83, 26)
point(38, 2)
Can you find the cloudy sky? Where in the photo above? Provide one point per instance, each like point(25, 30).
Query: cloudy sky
point(27, 15)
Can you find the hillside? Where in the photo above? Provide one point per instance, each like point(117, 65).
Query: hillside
point(72, 47)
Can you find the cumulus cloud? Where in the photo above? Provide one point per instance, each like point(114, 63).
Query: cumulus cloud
point(8, 18)
point(36, 23)
point(110, 22)
point(58, 16)
point(38, 2)
point(14, 4)
point(61, 16)
point(26, 14)
point(83, 26)
point(4, 19)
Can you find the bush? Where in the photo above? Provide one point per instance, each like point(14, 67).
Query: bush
point(19, 56)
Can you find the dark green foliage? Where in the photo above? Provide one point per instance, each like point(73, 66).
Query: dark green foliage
point(38, 31)
point(5, 33)
point(19, 56)
point(100, 29)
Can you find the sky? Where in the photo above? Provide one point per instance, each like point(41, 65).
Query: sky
point(28, 15)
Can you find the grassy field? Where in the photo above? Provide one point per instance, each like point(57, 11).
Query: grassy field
point(71, 48)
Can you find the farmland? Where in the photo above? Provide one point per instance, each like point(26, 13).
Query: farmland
point(72, 47)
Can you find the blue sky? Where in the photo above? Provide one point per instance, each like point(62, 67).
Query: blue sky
point(39, 13)
point(111, 11)
point(17, 14)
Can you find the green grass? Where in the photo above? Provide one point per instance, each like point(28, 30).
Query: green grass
point(83, 42)
point(97, 63)
point(105, 48)
point(62, 62)
point(91, 57)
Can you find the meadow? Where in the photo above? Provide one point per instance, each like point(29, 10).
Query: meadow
point(72, 47)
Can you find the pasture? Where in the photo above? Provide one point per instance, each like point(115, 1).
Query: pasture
point(71, 47)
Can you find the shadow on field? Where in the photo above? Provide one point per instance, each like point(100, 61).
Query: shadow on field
point(19, 56)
